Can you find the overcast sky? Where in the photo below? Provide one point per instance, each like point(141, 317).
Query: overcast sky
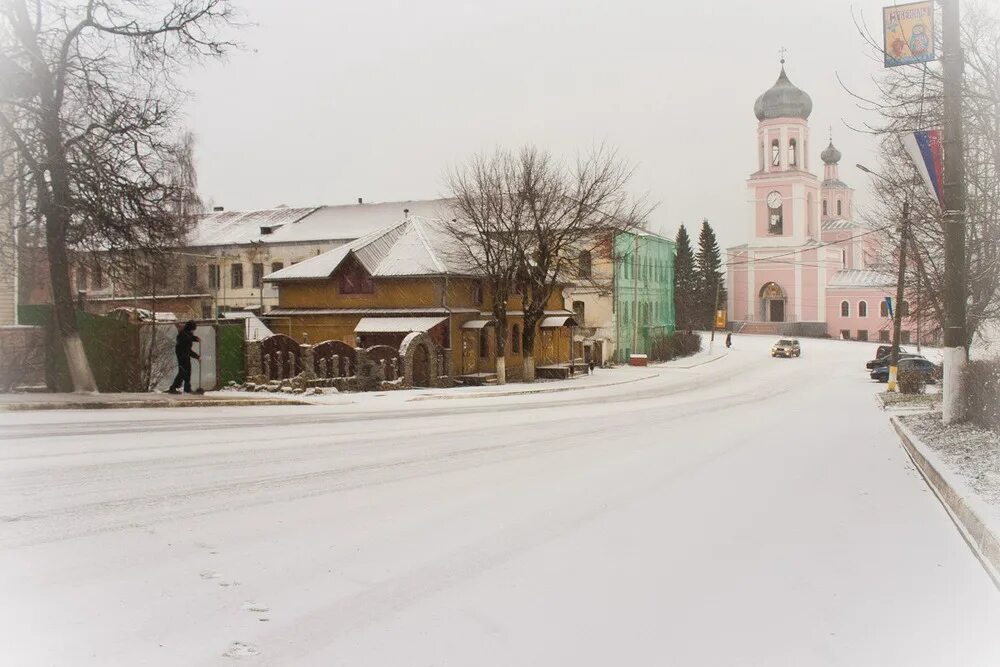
point(333, 101)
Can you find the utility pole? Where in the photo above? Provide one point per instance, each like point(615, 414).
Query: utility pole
point(635, 292)
point(955, 272)
point(897, 314)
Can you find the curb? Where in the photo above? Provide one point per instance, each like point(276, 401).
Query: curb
point(984, 544)
point(113, 405)
point(526, 392)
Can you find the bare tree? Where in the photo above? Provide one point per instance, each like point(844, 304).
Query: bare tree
point(525, 219)
point(487, 228)
point(89, 103)
point(908, 99)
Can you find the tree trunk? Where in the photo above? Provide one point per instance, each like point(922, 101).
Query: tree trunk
point(501, 370)
point(528, 349)
point(63, 308)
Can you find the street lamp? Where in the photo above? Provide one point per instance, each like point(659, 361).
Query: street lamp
point(897, 313)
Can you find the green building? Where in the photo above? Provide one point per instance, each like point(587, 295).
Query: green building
point(643, 291)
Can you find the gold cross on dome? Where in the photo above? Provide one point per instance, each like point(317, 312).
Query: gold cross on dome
point(781, 54)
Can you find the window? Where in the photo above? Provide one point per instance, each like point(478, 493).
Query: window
point(584, 264)
point(845, 309)
point(825, 207)
point(213, 276)
point(761, 156)
point(97, 277)
point(236, 275)
point(883, 308)
point(862, 334)
point(159, 276)
point(515, 339)
point(191, 281)
point(904, 337)
point(883, 336)
point(628, 266)
point(775, 153)
point(904, 309)
point(579, 311)
point(843, 257)
point(355, 280)
point(845, 334)
point(840, 210)
point(277, 266)
point(792, 146)
point(81, 277)
point(257, 278)
point(477, 294)
point(484, 343)
point(862, 309)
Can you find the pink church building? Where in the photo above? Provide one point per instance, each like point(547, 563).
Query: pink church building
point(808, 268)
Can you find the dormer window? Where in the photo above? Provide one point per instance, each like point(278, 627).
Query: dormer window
point(355, 280)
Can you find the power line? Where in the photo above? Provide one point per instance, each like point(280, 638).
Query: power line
point(804, 249)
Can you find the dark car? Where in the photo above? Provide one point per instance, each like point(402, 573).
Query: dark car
point(882, 358)
point(786, 347)
point(926, 369)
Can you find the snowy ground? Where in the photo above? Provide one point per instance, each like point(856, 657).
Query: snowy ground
point(748, 511)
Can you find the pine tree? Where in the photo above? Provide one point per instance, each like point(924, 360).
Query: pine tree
point(710, 276)
point(685, 282)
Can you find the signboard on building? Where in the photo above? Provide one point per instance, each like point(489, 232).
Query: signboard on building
point(908, 34)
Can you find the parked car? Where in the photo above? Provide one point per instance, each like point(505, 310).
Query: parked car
point(884, 359)
point(927, 369)
point(786, 347)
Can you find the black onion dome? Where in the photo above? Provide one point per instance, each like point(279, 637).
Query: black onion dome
point(783, 100)
point(830, 154)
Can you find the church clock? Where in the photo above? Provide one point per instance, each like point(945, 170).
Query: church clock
point(775, 219)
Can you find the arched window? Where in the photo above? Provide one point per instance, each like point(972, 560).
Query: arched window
point(775, 153)
point(883, 308)
point(584, 264)
point(515, 339)
point(825, 212)
point(840, 210)
point(845, 309)
point(484, 343)
point(762, 156)
point(579, 312)
point(792, 149)
point(862, 309)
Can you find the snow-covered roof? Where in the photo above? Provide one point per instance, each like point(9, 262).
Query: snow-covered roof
point(861, 278)
point(397, 324)
point(311, 224)
point(840, 223)
point(413, 247)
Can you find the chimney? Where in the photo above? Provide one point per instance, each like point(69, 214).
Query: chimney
point(406, 213)
point(218, 208)
point(360, 200)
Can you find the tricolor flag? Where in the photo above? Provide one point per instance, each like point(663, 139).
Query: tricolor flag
point(924, 148)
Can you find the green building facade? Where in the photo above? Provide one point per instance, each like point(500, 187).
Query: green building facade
point(643, 291)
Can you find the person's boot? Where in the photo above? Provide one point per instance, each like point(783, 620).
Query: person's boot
point(171, 391)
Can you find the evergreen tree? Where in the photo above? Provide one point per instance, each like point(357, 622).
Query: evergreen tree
point(686, 292)
point(710, 276)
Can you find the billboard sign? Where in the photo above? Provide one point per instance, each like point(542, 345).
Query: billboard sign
point(908, 34)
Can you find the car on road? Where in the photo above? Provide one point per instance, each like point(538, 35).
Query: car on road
point(786, 347)
point(928, 371)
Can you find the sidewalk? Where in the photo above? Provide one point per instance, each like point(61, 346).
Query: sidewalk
point(17, 402)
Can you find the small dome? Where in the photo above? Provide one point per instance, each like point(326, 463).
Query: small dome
point(783, 100)
point(830, 154)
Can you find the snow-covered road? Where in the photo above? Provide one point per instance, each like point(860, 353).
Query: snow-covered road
point(750, 511)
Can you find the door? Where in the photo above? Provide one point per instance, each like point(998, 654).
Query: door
point(470, 353)
point(777, 310)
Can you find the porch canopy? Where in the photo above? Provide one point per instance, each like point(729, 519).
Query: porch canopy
point(478, 324)
point(397, 324)
point(558, 321)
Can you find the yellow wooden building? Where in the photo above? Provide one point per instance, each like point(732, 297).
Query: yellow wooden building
point(404, 278)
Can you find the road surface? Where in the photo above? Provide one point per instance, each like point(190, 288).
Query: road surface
point(749, 511)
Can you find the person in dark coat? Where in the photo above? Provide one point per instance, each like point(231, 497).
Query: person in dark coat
point(729, 340)
point(185, 339)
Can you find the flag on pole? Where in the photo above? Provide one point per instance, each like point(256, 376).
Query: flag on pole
point(924, 148)
point(888, 305)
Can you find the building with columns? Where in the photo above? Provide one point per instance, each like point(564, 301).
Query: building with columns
point(808, 268)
